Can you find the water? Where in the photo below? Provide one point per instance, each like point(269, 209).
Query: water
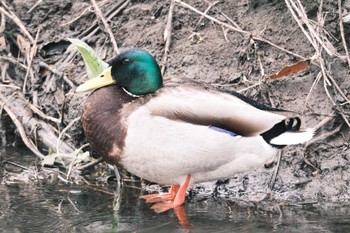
point(39, 207)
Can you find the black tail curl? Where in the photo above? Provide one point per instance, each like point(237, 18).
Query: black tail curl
point(289, 124)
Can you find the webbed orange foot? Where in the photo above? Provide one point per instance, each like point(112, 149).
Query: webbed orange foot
point(153, 198)
point(179, 194)
point(161, 207)
point(161, 197)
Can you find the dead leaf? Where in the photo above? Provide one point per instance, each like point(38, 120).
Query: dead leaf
point(289, 70)
point(23, 44)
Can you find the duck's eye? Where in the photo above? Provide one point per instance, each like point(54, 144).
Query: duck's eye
point(126, 61)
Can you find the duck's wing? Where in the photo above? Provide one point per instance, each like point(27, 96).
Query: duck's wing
point(177, 81)
point(212, 108)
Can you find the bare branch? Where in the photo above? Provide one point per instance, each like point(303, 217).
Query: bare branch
point(104, 21)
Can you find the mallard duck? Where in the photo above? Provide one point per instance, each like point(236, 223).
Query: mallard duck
point(178, 135)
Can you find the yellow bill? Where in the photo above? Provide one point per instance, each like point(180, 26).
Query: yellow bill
point(104, 79)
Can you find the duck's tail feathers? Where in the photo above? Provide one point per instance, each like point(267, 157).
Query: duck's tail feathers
point(287, 132)
point(293, 137)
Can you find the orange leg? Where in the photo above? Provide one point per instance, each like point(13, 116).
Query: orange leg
point(181, 216)
point(162, 197)
point(178, 201)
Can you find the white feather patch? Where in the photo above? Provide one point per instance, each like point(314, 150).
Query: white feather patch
point(293, 138)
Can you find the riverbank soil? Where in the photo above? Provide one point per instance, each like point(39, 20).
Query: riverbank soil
point(238, 47)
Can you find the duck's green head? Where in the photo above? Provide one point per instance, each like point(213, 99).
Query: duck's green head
point(135, 70)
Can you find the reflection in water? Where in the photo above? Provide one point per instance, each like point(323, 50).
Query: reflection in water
point(66, 208)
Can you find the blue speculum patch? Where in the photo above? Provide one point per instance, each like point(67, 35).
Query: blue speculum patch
point(221, 130)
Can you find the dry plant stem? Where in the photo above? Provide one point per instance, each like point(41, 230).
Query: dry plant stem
point(4, 71)
point(10, 86)
point(38, 112)
point(13, 61)
point(313, 36)
point(118, 9)
point(309, 163)
point(211, 18)
point(273, 178)
point(110, 14)
point(345, 119)
point(104, 21)
point(73, 204)
point(64, 131)
point(17, 165)
point(167, 35)
point(97, 188)
point(73, 162)
point(60, 74)
point(334, 104)
point(35, 5)
point(318, 78)
point(307, 35)
point(22, 132)
point(207, 10)
point(9, 14)
point(292, 7)
point(261, 67)
point(258, 38)
point(324, 136)
point(91, 164)
point(236, 29)
point(325, 121)
point(341, 27)
point(84, 12)
point(250, 87)
point(321, 138)
point(328, 77)
point(3, 23)
point(66, 60)
point(32, 54)
point(76, 18)
point(231, 21)
point(225, 31)
point(24, 115)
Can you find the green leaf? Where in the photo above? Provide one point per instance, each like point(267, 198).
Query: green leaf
point(94, 64)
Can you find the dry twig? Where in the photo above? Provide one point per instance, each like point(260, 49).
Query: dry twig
point(318, 78)
point(167, 35)
point(91, 164)
point(34, 6)
point(341, 27)
point(273, 178)
point(73, 162)
point(94, 27)
point(13, 61)
point(64, 131)
point(29, 143)
point(9, 14)
point(207, 10)
point(3, 23)
point(324, 136)
point(87, 9)
point(237, 29)
point(30, 58)
point(300, 17)
point(107, 28)
point(39, 112)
